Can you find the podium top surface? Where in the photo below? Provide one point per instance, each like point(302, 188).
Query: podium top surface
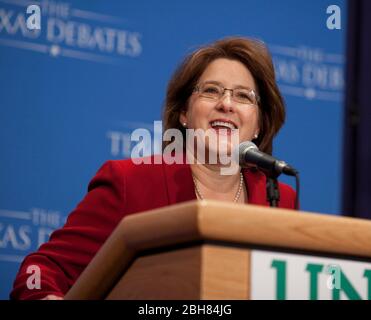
point(246, 224)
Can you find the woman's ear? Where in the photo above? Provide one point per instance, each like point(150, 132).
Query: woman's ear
point(183, 118)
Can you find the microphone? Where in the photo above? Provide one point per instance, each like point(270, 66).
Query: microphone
point(249, 154)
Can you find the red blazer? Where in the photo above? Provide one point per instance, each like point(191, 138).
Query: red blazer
point(119, 188)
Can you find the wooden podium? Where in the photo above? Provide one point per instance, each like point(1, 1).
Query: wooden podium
point(202, 250)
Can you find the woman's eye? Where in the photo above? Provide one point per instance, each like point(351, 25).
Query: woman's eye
point(244, 96)
point(211, 90)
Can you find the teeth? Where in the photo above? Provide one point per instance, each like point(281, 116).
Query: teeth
point(224, 124)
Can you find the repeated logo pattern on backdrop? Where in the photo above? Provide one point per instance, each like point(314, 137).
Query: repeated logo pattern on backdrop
point(70, 32)
point(73, 91)
point(309, 73)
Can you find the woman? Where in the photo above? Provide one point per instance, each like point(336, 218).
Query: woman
point(225, 87)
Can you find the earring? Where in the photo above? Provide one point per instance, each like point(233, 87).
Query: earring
point(255, 136)
point(184, 124)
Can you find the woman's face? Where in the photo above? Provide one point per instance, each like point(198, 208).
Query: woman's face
point(224, 114)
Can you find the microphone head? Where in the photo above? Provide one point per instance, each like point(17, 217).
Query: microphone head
point(246, 145)
point(243, 147)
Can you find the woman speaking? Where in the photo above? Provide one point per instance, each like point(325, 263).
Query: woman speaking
point(227, 89)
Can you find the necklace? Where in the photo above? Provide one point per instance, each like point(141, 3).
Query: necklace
point(237, 196)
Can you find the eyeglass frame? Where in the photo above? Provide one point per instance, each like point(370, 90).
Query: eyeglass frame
point(218, 84)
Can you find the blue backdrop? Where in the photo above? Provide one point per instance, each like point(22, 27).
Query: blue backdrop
point(71, 93)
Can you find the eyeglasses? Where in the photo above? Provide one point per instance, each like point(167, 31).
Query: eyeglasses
point(214, 91)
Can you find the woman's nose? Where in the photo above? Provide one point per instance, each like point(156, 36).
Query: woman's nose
point(226, 102)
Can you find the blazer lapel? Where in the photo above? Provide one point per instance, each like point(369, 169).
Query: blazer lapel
point(179, 182)
point(256, 186)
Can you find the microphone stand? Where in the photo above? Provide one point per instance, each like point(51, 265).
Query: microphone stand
point(273, 192)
